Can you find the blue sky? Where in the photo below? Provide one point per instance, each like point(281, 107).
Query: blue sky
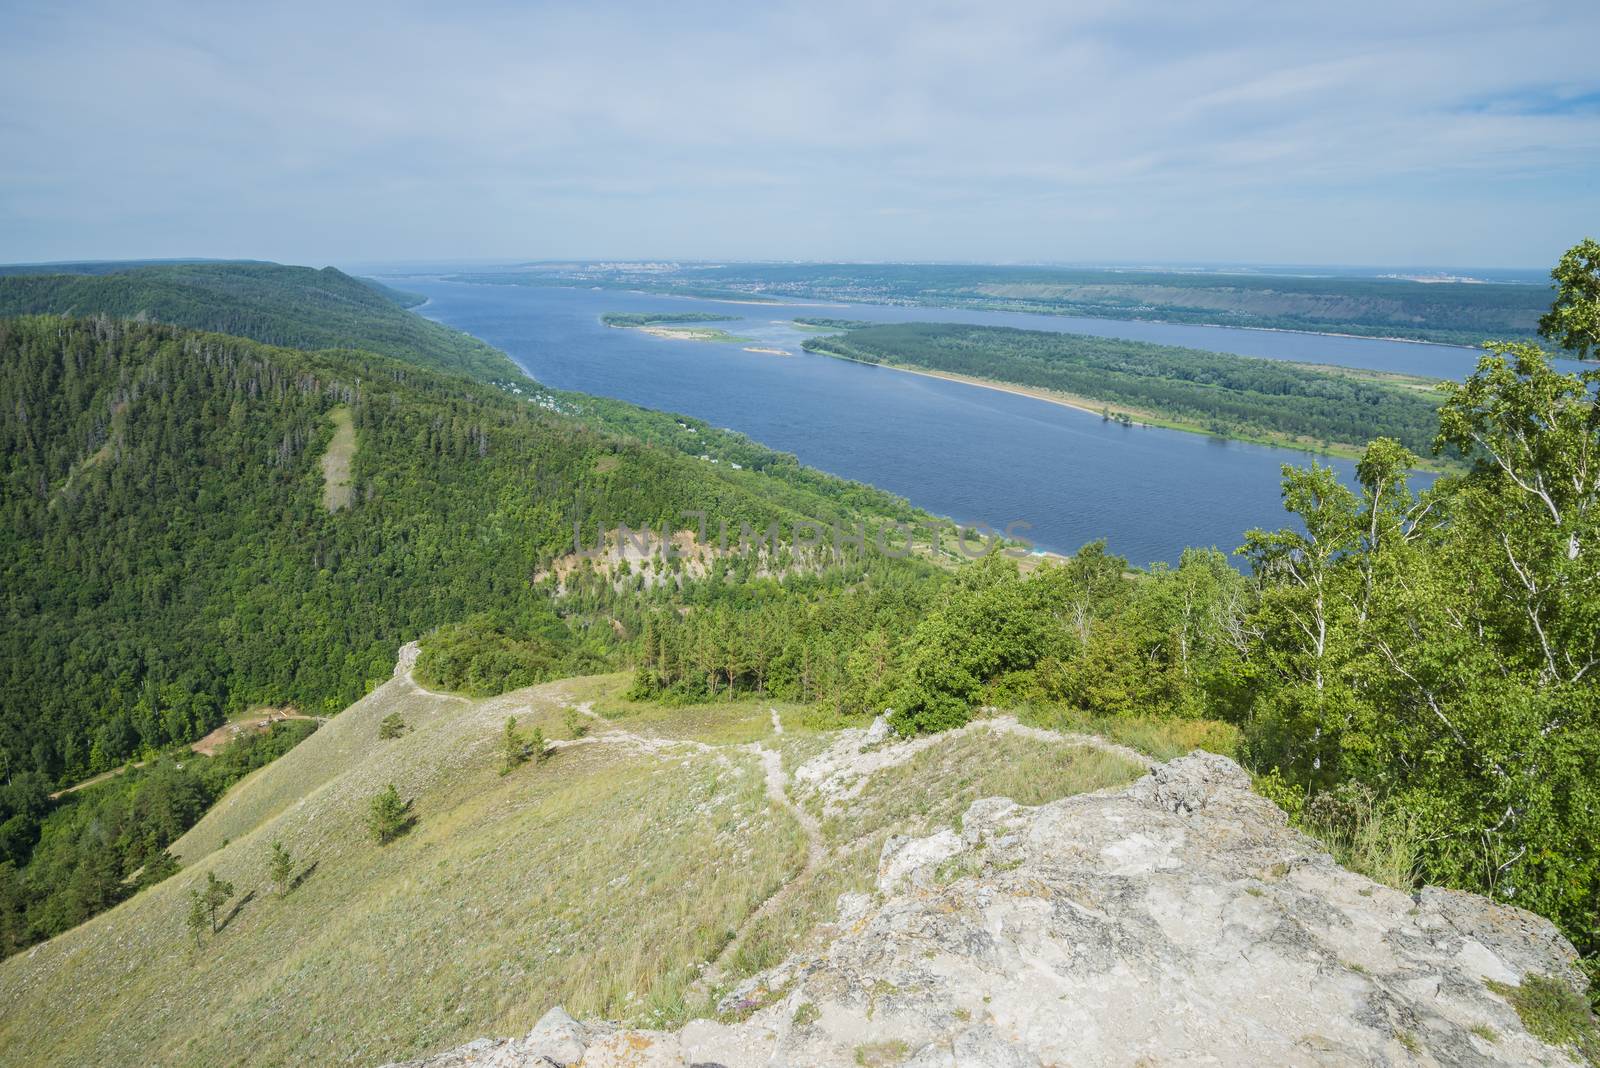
point(1397, 132)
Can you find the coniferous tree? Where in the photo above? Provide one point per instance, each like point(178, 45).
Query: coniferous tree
point(196, 919)
point(281, 868)
point(577, 723)
point(13, 914)
point(215, 895)
point(513, 748)
point(157, 868)
point(390, 815)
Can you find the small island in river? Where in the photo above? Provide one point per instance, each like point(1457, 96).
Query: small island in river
point(674, 325)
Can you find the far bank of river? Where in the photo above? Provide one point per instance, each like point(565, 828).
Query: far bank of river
point(969, 451)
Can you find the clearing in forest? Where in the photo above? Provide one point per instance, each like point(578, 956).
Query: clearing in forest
point(337, 460)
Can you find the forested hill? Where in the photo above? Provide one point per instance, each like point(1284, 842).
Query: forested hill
point(299, 307)
point(115, 266)
point(168, 555)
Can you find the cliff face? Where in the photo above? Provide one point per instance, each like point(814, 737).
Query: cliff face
point(1174, 921)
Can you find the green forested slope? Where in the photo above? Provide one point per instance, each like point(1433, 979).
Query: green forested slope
point(299, 307)
point(118, 266)
point(99, 845)
point(168, 559)
point(167, 556)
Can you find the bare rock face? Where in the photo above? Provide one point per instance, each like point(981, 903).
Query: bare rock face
point(1175, 921)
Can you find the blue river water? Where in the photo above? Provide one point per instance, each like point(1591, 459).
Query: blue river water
point(974, 454)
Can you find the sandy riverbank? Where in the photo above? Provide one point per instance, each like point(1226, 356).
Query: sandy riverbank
point(1064, 400)
point(1140, 418)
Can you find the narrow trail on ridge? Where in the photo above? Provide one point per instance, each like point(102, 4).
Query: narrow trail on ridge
point(816, 852)
point(403, 669)
point(859, 766)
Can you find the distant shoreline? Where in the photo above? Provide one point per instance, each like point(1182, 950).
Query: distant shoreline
point(773, 302)
point(1141, 418)
point(1176, 322)
point(781, 302)
point(840, 303)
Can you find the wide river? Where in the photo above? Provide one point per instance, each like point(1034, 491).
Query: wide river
point(974, 454)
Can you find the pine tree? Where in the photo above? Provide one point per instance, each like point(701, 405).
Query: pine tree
point(514, 750)
point(281, 868)
point(392, 726)
point(217, 893)
point(196, 920)
point(390, 817)
point(577, 723)
point(158, 867)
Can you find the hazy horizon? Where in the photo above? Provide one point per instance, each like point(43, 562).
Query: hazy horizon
point(1495, 273)
point(1431, 134)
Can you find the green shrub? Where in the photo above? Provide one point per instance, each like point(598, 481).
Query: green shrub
point(1289, 796)
point(485, 656)
point(1555, 1013)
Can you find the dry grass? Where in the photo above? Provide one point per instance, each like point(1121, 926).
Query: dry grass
point(1384, 845)
point(1162, 737)
point(748, 719)
point(598, 879)
point(340, 746)
point(934, 788)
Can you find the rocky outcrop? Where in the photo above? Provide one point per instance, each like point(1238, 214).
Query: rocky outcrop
point(1174, 921)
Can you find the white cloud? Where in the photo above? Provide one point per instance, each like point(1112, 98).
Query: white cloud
point(973, 131)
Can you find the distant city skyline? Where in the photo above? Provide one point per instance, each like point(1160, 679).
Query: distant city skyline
point(1421, 135)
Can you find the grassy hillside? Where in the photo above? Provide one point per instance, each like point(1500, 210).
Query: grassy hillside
point(602, 878)
point(297, 307)
point(1231, 396)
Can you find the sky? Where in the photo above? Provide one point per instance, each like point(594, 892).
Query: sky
point(1400, 132)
